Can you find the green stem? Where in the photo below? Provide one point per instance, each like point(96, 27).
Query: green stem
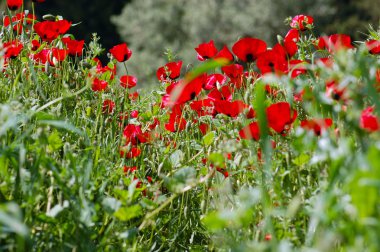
point(61, 98)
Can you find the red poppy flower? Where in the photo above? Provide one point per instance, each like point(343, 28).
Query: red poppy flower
point(121, 52)
point(30, 18)
point(128, 81)
point(231, 109)
point(327, 62)
point(225, 53)
point(298, 97)
point(166, 102)
point(204, 128)
point(176, 120)
point(108, 106)
point(35, 45)
point(233, 70)
point(149, 178)
point(171, 70)
point(213, 79)
point(297, 67)
point(129, 169)
point(272, 61)
point(134, 135)
point(251, 113)
point(224, 93)
point(203, 107)
point(106, 70)
point(335, 42)
point(18, 21)
point(57, 55)
point(235, 73)
point(133, 96)
point(369, 121)
point(134, 113)
point(373, 46)
point(186, 91)
point(301, 22)
point(271, 90)
point(251, 131)
point(292, 35)
point(268, 237)
point(154, 124)
point(12, 49)
point(334, 91)
point(206, 50)
point(41, 57)
point(99, 85)
point(50, 30)
point(75, 47)
point(132, 153)
point(280, 117)
point(123, 117)
point(290, 44)
point(223, 171)
point(248, 49)
point(14, 4)
point(316, 125)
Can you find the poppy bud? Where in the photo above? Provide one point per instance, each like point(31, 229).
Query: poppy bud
point(48, 17)
point(280, 39)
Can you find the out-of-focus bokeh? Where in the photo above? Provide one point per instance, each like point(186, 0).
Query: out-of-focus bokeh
point(152, 28)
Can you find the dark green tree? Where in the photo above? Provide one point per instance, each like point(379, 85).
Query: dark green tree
point(152, 26)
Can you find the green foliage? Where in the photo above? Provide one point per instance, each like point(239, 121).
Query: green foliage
point(66, 183)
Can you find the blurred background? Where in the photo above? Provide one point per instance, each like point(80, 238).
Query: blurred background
point(158, 29)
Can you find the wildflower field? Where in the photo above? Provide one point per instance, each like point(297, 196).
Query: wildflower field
point(255, 148)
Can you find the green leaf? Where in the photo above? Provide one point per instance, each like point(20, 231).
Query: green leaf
point(55, 141)
point(301, 159)
point(62, 125)
point(176, 158)
point(41, 115)
point(128, 213)
point(213, 222)
point(204, 171)
point(148, 204)
point(3, 168)
point(373, 157)
point(208, 139)
point(57, 209)
point(181, 179)
point(129, 234)
point(364, 195)
point(110, 204)
point(11, 218)
point(205, 67)
point(216, 159)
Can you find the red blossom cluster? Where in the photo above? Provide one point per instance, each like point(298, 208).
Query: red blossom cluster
point(208, 96)
point(213, 94)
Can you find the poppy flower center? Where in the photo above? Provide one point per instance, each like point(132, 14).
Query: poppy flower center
point(336, 96)
point(250, 57)
point(192, 95)
point(286, 129)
